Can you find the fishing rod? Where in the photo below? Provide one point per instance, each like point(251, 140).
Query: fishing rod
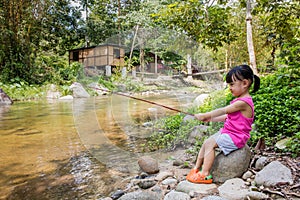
point(144, 100)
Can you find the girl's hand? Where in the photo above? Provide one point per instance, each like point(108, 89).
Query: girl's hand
point(202, 117)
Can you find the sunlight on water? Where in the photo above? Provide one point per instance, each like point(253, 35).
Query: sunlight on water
point(73, 149)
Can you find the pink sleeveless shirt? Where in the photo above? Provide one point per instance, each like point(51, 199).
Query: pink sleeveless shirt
point(237, 126)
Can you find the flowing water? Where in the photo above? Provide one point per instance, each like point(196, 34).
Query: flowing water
point(78, 149)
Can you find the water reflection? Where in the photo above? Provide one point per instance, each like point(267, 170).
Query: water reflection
point(71, 150)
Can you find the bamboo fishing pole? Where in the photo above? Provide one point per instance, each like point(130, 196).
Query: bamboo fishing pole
point(144, 100)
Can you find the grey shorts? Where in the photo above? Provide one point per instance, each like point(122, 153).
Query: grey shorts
point(224, 142)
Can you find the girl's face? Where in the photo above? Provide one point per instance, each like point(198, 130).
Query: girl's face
point(239, 88)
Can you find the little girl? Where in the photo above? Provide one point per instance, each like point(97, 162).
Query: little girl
point(238, 118)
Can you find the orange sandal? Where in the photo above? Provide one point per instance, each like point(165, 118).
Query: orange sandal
point(197, 177)
point(192, 174)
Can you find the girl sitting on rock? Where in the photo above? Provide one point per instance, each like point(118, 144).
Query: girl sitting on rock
point(238, 118)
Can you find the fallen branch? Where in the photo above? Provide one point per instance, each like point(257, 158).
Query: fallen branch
point(273, 192)
point(295, 186)
point(293, 165)
point(293, 194)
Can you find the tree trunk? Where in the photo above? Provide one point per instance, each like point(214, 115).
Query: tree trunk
point(142, 62)
point(252, 58)
point(189, 67)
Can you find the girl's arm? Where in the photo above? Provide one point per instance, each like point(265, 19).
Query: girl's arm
point(221, 112)
point(221, 118)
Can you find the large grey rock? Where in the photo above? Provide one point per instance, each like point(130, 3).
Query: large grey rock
point(100, 90)
point(4, 98)
point(200, 99)
point(231, 166)
point(213, 198)
point(148, 165)
point(236, 189)
point(274, 173)
point(53, 92)
point(197, 133)
point(173, 195)
point(79, 91)
point(233, 189)
point(188, 187)
point(141, 195)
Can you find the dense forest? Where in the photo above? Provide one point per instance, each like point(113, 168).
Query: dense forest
point(36, 35)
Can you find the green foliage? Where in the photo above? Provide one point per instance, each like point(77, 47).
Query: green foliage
point(293, 145)
point(26, 37)
point(133, 86)
point(173, 60)
point(207, 24)
point(217, 99)
point(55, 69)
point(171, 131)
point(107, 83)
point(277, 106)
point(22, 91)
point(290, 53)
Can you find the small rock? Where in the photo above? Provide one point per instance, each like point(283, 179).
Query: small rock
point(197, 133)
point(178, 162)
point(248, 183)
point(156, 189)
point(257, 195)
point(141, 195)
point(213, 198)
point(68, 97)
point(146, 183)
point(282, 143)
point(173, 195)
point(247, 175)
point(163, 175)
point(169, 181)
point(188, 118)
point(148, 164)
point(117, 194)
point(147, 124)
point(261, 162)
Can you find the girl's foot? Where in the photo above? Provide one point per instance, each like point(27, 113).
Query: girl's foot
point(198, 177)
point(192, 173)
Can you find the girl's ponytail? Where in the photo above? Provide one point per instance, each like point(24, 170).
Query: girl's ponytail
point(256, 80)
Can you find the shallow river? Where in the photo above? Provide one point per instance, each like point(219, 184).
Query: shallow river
point(78, 149)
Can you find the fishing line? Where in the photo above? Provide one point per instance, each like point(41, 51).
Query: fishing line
point(144, 100)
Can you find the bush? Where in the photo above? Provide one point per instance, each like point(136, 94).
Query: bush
point(170, 133)
point(277, 105)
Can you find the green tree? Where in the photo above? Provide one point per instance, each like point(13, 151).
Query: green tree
point(106, 19)
point(33, 28)
point(204, 22)
point(280, 24)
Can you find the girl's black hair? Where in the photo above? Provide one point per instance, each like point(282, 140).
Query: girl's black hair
point(243, 72)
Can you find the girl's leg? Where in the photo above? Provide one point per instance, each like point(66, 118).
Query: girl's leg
point(206, 157)
point(209, 155)
point(200, 158)
point(206, 153)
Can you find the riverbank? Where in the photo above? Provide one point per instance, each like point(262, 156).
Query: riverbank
point(256, 183)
